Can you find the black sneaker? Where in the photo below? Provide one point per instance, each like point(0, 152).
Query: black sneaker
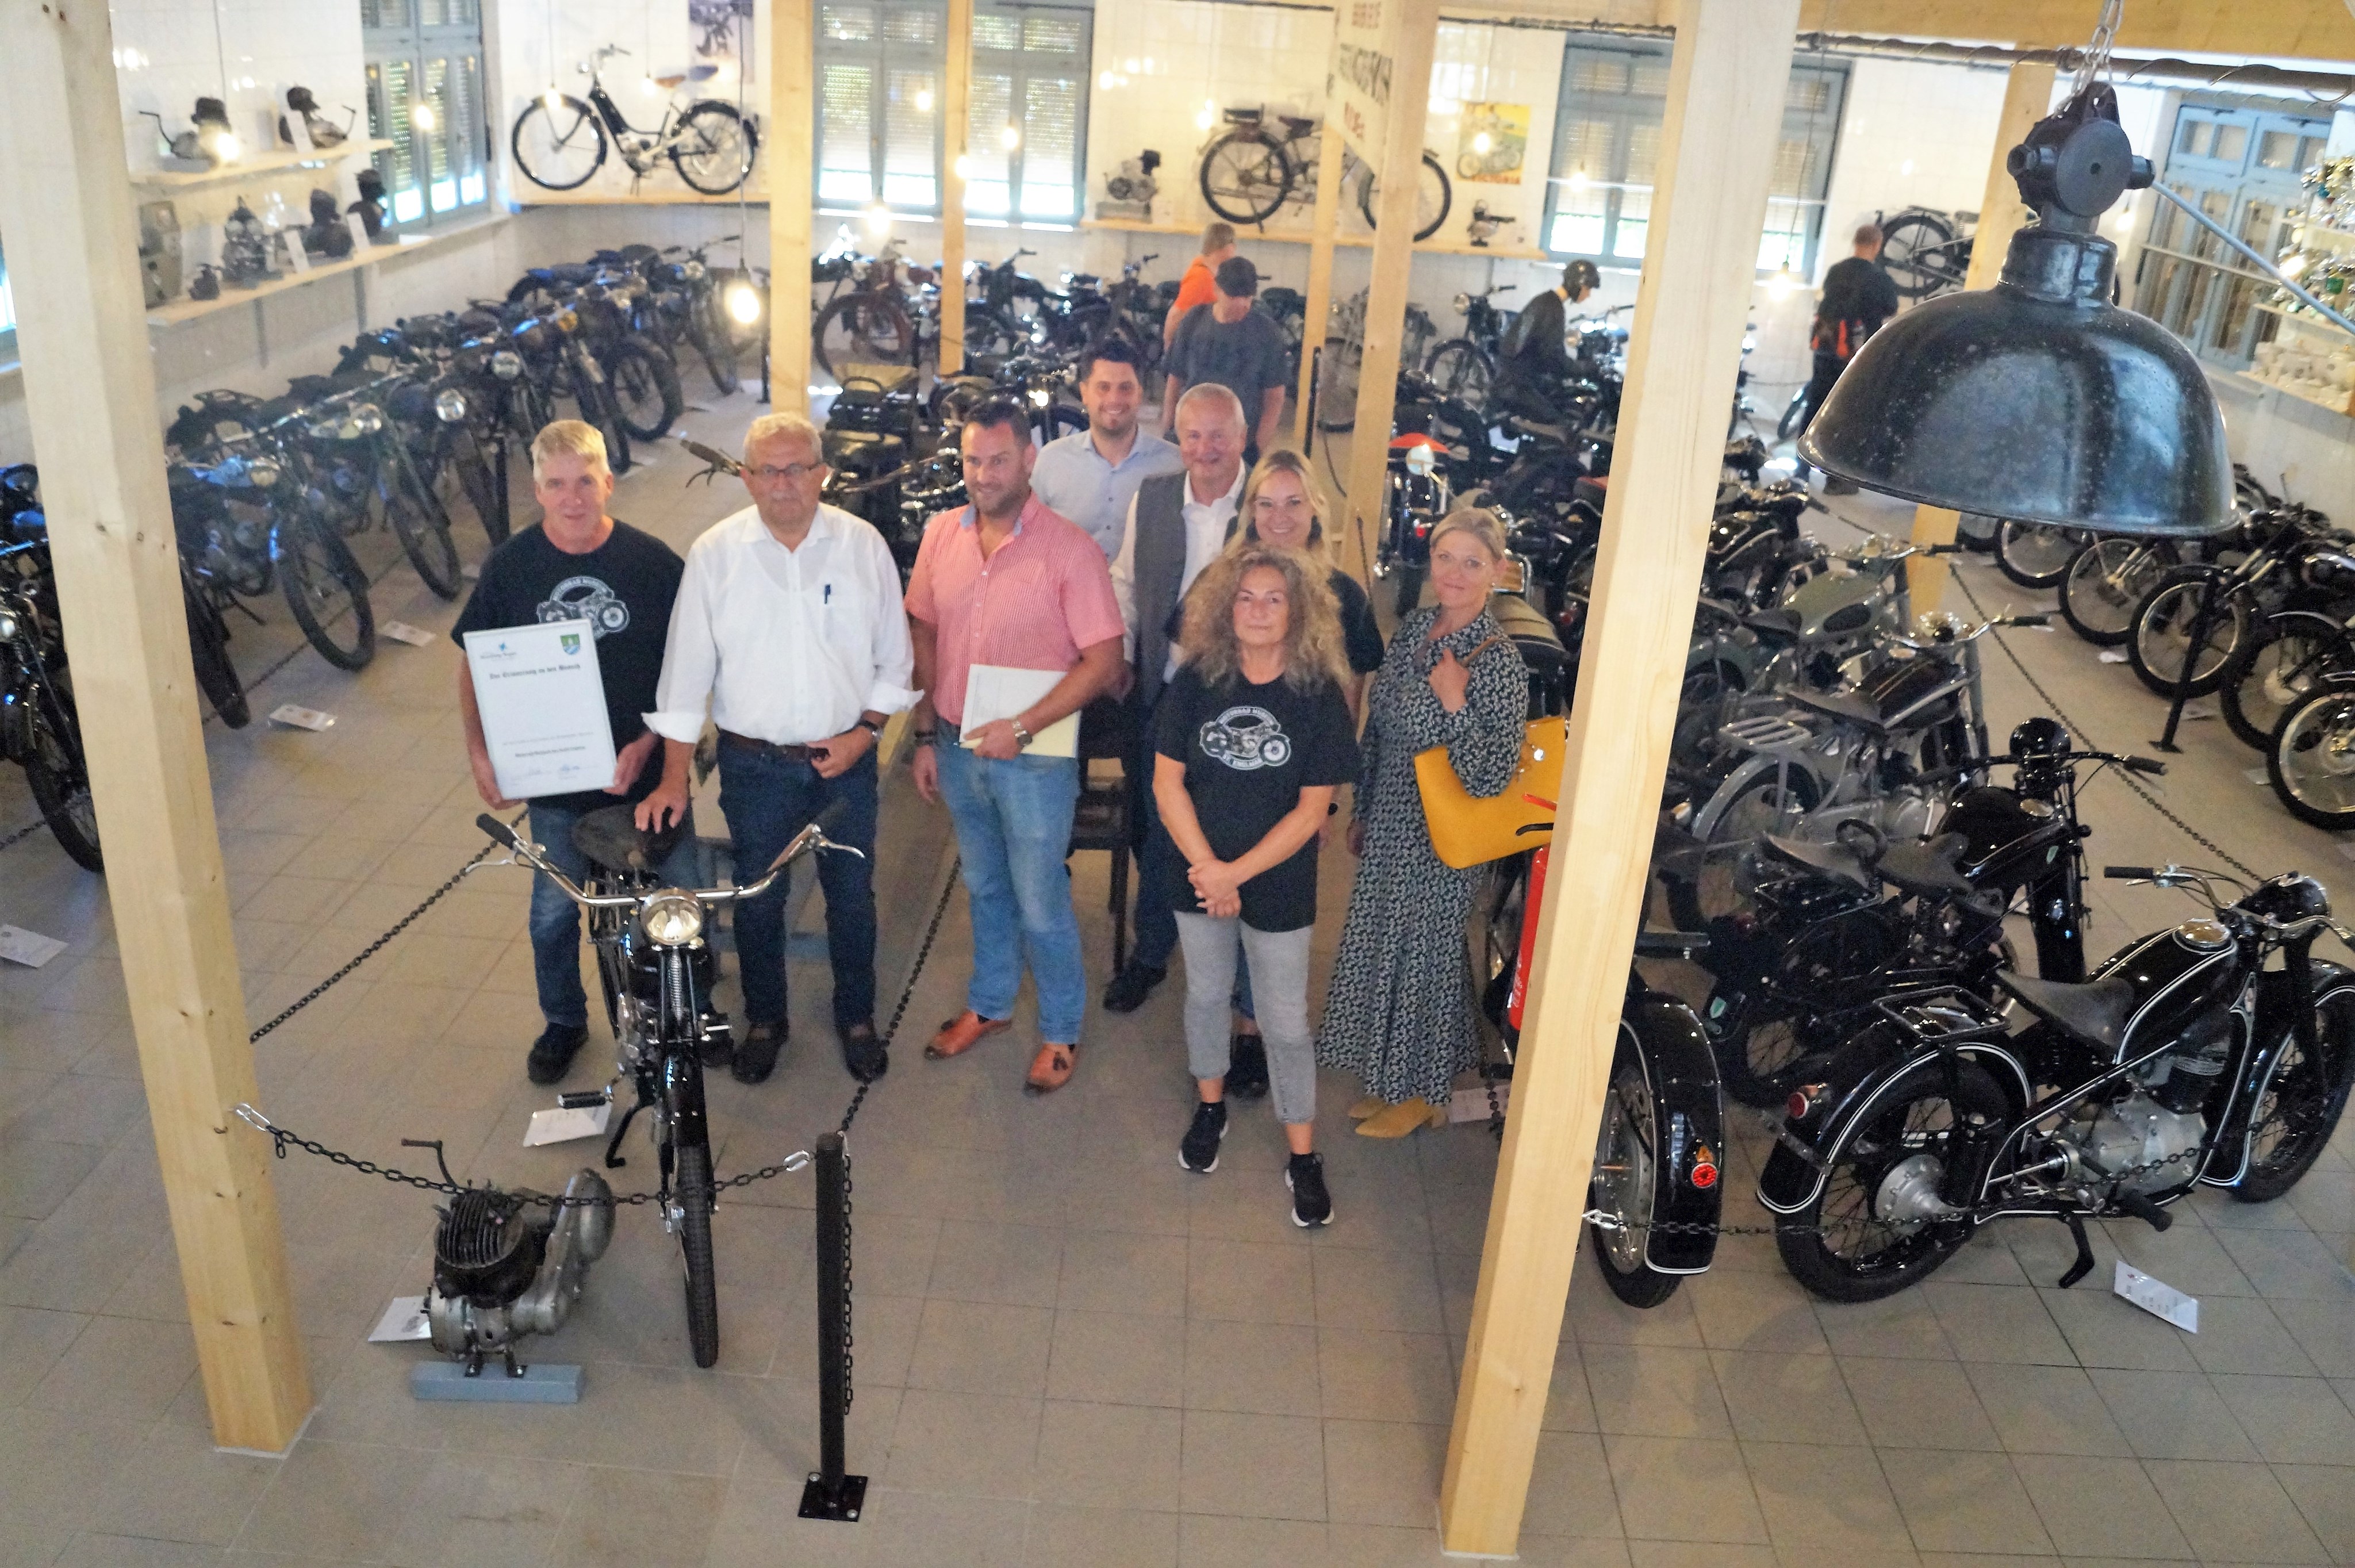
point(1311, 1204)
point(756, 1058)
point(552, 1054)
point(864, 1054)
point(1199, 1150)
point(1131, 986)
point(1247, 1068)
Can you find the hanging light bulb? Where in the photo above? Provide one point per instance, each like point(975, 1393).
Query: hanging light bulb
point(923, 100)
point(422, 116)
point(1010, 136)
point(876, 219)
point(1209, 116)
point(648, 85)
point(1779, 286)
point(1483, 143)
point(224, 146)
point(1578, 178)
point(743, 301)
point(2293, 265)
point(551, 100)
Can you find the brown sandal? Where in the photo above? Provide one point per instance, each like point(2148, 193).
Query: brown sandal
point(1051, 1068)
point(962, 1034)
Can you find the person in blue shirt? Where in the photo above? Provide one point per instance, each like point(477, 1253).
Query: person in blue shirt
point(1090, 475)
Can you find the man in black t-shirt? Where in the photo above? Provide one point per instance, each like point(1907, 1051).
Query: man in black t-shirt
point(1238, 347)
point(1858, 297)
point(1534, 367)
point(577, 564)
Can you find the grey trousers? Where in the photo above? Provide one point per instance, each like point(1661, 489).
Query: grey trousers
point(1279, 972)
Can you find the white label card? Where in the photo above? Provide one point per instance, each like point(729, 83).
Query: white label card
point(402, 1321)
point(403, 632)
point(296, 257)
point(2157, 1298)
point(287, 713)
point(29, 948)
point(2112, 655)
point(562, 1123)
point(359, 225)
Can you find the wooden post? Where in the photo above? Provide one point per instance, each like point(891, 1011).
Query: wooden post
point(1415, 36)
point(1726, 83)
point(793, 117)
point(1327, 219)
point(956, 116)
point(65, 207)
point(2026, 97)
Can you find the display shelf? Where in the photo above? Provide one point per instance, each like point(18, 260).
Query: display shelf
point(277, 161)
point(182, 310)
point(681, 197)
point(2303, 318)
point(1362, 241)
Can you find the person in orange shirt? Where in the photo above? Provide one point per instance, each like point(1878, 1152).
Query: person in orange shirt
point(1198, 285)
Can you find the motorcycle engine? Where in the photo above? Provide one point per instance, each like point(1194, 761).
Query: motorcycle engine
point(510, 1264)
point(2135, 1131)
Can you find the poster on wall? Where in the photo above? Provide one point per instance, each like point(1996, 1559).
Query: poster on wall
point(1357, 89)
point(1494, 143)
point(723, 37)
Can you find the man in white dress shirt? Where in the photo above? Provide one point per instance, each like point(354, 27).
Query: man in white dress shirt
point(788, 625)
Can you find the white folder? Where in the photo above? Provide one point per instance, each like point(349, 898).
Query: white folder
point(994, 691)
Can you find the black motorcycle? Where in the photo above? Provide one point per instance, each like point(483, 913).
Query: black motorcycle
point(1465, 363)
point(38, 729)
point(2216, 1051)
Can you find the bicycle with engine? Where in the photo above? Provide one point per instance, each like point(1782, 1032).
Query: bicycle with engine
point(559, 141)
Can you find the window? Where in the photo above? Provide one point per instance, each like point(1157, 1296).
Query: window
point(425, 96)
point(2241, 166)
point(878, 132)
point(1607, 142)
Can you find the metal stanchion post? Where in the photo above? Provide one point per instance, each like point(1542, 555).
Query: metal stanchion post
point(829, 1493)
point(506, 522)
point(1308, 414)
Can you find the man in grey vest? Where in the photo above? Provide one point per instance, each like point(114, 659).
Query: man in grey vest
point(1178, 523)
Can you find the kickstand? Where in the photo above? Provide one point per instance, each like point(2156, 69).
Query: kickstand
point(613, 1158)
point(2084, 1264)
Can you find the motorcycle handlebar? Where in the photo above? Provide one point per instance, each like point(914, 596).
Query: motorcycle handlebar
point(2143, 765)
point(2130, 873)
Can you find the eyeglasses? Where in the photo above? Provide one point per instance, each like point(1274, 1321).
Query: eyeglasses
point(768, 473)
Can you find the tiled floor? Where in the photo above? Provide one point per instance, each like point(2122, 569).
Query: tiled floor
point(1068, 1351)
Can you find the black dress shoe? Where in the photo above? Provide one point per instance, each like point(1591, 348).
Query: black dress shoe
point(756, 1057)
point(552, 1054)
point(1131, 986)
point(1247, 1069)
point(863, 1054)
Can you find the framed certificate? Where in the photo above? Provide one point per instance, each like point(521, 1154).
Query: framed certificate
point(543, 707)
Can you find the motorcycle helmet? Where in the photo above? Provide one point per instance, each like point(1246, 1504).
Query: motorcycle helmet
point(1581, 278)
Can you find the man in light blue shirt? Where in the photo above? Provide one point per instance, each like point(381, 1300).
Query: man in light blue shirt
point(1090, 475)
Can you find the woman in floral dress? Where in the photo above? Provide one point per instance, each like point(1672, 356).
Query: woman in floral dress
point(1398, 1010)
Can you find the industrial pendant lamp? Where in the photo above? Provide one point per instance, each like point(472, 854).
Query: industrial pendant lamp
point(2038, 399)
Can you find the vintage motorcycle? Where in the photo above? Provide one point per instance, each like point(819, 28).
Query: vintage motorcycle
point(38, 728)
point(2216, 1051)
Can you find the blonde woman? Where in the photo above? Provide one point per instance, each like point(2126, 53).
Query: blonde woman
point(1398, 1013)
point(1284, 506)
point(1251, 738)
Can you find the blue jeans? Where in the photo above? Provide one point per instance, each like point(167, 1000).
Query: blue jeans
point(1014, 833)
point(556, 921)
point(768, 801)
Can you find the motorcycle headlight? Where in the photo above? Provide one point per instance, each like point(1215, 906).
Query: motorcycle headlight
point(1040, 397)
point(506, 364)
point(671, 918)
point(1463, 305)
point(327, 429)
point(8, 627)
point(367, 420)
point(450, 405)
point(262, 473)
point(695, 272)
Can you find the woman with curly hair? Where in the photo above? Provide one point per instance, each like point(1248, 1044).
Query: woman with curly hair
point(1399, 1011)
point(1251, 738)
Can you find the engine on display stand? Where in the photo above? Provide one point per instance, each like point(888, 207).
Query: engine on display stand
point(1132, 188)
point(507, 1265)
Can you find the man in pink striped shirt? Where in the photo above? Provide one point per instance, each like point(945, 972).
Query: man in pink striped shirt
point(1005, 581)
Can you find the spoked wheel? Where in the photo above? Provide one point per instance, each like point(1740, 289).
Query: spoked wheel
point(558, 144)
point(1765, 804)
point(693, 1193)
point(1246, 176)
point(2160, 648)
point(646, 389)
point(1913, 253)
point(1336, 383)
point(1434, 196)
point(2300, 1105)
point(1877, 1224)
point(1626, 1175)
point(2274, 671)
point(2103, 585)
point(2311, 763)
point(217, 677)
point(328, 593)
point(1978, 531)
point(711, 340)
point(1763, 1037)
point(422, 528)
point(862, 329)
point(61, 787)
point(2035, 555)
point(714, 152)
point(1461, 371)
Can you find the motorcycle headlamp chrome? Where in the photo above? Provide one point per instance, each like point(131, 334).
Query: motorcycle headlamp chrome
point(327, 430)
point(694, 272)
point(9, 626)
point(450, 405)
point(367, 420)
point(1462, 305)
point(506, 364)
point(1040, 397)
point(671, 918)
point(262, 473)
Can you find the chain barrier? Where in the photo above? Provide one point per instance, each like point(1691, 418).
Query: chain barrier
point(849, 1385)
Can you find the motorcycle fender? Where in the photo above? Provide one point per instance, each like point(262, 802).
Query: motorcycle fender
point(1859, 1076)
point(1720, 800)
point(1683, 1073)
point(2312, 623)
point(2271, 1032)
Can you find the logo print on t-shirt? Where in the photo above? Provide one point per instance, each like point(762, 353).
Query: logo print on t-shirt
point(1246, 739)
point(586, 599)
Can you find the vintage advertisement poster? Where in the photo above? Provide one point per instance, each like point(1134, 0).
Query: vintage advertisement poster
point(1494, 143)
point(1357, 92)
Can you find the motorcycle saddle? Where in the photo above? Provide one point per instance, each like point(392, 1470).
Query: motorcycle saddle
point(611, 837)
point(1774, 625)
point(2095, 1012)
point(1926, 867)
point(1834, 861)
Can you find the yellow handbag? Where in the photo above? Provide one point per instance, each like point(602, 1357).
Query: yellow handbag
point(1470, 830)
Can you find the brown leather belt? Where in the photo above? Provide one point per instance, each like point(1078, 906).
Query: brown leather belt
point(769, 749)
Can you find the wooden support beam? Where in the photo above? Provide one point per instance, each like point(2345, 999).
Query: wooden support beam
point(65, 207)
point(1414, 34)
point(2026, 97)
point(793, 116)
point(1726, 82)
point(956, 116)
point(1326, 222)
point(2306, 29)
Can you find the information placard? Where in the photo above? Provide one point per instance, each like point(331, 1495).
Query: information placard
point(543, 707)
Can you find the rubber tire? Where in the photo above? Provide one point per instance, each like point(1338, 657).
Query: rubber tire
point(1366, 198)
point(2238, 675)
point(335, 557)
point(2257, 1186)
point(903, 328)
point(1795, 417)
point(713, 109)
point(2235, 620)
point(2312, 815)
point(709, 335)
point(423, 527)
point(657, 382)
point(1644, 1286)
point(692, 1184)
point(1244, 214)
point(1461, 369)
point(602, 409)
point(217, 674)
point(53, 792)
point(574, 105)
point(1684, 897)
point(1409, 590)
point(2038, 580)
point(1935, 233)
point(1805, 1257)
point(2087, 561)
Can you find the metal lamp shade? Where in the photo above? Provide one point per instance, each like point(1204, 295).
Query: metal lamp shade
point(2035, 400)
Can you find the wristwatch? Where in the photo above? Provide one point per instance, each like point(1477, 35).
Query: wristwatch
point(870, 725)
point(1022, 737)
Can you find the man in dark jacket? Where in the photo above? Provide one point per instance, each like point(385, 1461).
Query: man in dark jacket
point(1535, 355)
point(1858, 297)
